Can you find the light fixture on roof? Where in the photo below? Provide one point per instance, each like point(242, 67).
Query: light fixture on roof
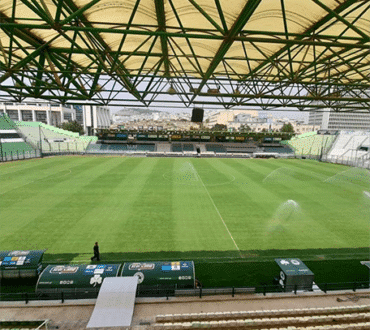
point(214, 90)
point(99, 88)
point(194, 90)
point(171, 90)
point(335, 94)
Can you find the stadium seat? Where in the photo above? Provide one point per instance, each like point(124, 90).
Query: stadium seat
point(176, 147)
point(13, 144)
point(219, 148)
point(53, 139)
point(304, 318)
point(347, 147)
point(311, 144)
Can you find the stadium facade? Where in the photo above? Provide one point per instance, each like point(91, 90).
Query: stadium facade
point(95, 117)
point(332, 120)
point(47, 113)
point(90, 117)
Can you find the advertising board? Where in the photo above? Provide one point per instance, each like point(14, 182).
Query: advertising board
point(20, 263)
point(179, 273)
point(70, 277)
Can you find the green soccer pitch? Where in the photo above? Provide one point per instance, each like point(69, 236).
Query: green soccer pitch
point(203, 207)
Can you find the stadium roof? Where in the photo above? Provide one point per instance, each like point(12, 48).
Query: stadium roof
point(271, 53)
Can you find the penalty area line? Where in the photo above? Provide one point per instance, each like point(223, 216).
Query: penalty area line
point(219, 214)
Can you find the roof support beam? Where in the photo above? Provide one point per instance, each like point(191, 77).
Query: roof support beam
point(26, 60)
point(16, 31)
point(116, 57)
point(4, 53)
point(39, 74)
point(11, 32)
point(121, 70)
point(69, 59)
point(243, 18)
point(288, 42)
point(46, 10)
point(38, 10)
point(79, 12)
point(339, 63)
point(286, 35)
point(292, 101)
point(332, 55)
point(222, 16)
point(59, 11)
point(136, 81)
point(94, 86)
point(198, 66)
point(345, 61)
point(344, 21)
point(161, 18)
point(309, 31)
point(209, 18)
point(41, 48)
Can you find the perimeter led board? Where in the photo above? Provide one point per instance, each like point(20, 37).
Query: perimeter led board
point(68, 278)
point(294, 274)
point(20, 264)
point(179, 273)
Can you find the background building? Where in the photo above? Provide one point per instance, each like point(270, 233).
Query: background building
point(340, 120)
point(40, 111)
point(54, 114)
point(227, 116)
point(95, 117)
point(237, 120)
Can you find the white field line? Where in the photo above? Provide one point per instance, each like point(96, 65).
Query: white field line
point(200, 179)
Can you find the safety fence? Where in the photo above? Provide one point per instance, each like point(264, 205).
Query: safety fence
point(77, 148)
point(361, 162)
point(172, 291)
point(51, 149)
point(19, 155)
point(73, 147)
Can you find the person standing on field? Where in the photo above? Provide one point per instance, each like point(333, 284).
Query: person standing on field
point(96, 252)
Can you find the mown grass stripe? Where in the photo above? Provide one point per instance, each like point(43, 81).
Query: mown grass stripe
point(148, 205)
point(218, 212)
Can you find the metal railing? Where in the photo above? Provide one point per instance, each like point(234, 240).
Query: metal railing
point(56, 149)
point(25, 324)
point(361, 162)
point(173, 291)
point(19, 155)
point(64, 148)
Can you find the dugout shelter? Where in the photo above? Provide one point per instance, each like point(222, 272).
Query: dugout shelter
point(74, 278)
point(20, 264)
point(162, 274)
